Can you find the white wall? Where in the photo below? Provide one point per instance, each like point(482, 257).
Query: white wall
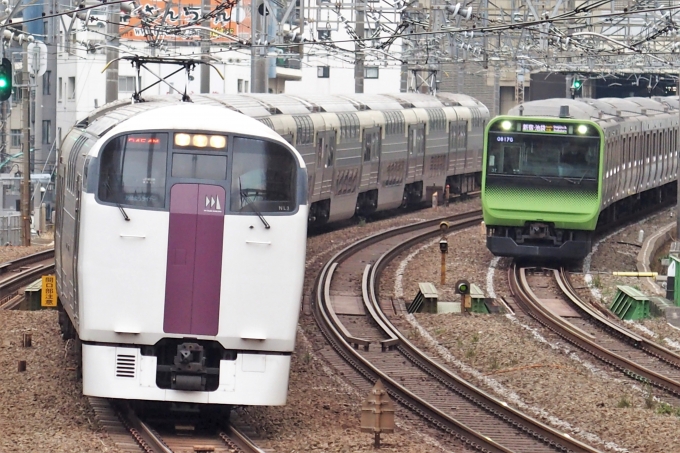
point(341, 81)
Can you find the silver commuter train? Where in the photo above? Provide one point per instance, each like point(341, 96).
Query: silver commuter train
point(180, 253)
point(366, 153)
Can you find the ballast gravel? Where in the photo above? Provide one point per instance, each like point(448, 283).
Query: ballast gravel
point(42, 409)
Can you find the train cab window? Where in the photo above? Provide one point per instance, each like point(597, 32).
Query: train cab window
point(263, 177)
point(133, 169)
point(199, 166)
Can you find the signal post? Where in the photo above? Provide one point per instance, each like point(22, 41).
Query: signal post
point(444, 249)
point(26, 149)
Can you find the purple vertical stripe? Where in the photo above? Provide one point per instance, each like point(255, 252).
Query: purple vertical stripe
point(179, 280)
point(208, 267)
point(195, 237)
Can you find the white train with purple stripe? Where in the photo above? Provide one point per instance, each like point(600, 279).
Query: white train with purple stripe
point(180, 249)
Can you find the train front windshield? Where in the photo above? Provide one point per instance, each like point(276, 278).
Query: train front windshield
point(134, 170)
point(546, 157)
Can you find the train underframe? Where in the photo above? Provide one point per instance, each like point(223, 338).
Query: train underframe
point(413, 196)
point(542, 240)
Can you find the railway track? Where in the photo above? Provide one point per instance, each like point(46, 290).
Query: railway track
point(353, 321)
point(132, 434)
point(18, 273)
point(548, 296)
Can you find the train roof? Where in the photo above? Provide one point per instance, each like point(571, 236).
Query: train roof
point(614, 109)
point(265, 105)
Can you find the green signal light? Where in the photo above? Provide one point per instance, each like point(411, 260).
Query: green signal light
point(576, 84)
point(463, 288)
point(3, 83)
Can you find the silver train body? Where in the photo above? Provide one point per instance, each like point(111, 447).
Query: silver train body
point(366, 153)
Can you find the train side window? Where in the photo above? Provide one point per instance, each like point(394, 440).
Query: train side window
point(263, 177)
point(462, 135)
point(371, 144)
point(453, 136)
point(368, 144)
point(319, 149)
point(330, 153)
point(133, 170)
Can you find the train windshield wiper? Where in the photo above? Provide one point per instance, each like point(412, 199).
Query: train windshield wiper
point(542, 177)
point(251, 203)
point(579, 181)
point(118, 205)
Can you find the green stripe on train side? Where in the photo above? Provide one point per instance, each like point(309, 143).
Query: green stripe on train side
point(513, 206)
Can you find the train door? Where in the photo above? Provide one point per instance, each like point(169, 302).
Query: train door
point(453, 148)
point(194, 258)
point(370, 166)
point(318, 167)
point(416, 152)
point(76, 242)
point(463, 146)
point(656, 136)
point(326, 144)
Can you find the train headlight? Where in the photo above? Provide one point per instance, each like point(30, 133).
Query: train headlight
point(217, 141)
point(199, 141)
point(506, 125)
point(582, 129)
point(182, 139)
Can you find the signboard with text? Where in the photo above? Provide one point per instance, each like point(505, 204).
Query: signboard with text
point(234, 21)
point(48, 297)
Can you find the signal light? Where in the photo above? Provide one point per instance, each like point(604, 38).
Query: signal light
point(462, 287)
point(576, 84)
point(5, 79)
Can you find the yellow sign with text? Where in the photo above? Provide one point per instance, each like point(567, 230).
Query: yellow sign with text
point(48, 298)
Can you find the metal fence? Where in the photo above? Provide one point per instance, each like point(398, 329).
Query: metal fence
point(10, 230)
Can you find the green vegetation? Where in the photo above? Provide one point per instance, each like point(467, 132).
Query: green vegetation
point(623, 402)
point(597, 282)
point(649, 397)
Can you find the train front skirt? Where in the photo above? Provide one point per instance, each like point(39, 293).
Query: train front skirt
point(120, 372)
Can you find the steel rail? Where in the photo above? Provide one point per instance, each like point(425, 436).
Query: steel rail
point(549, 436)
point(400, 394)
point(482, 399)
point(531, 304)
point(650, 347)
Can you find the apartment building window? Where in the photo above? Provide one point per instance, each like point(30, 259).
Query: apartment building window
point(323, 72)
point(46, 131)
point(246, 86)
point(71, 88)
point(15, 135)
point(47, 82)
point(239, 85)
point(60, 90)
point(126, 84)
point(371, 72)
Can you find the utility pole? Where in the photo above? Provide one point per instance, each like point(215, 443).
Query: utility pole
point(259, 77)
point(3, 115)
point(359, 6)
point(205, 51)
point(112, 30)
point(26, 148)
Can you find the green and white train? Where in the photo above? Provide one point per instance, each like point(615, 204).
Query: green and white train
point(556, 170)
